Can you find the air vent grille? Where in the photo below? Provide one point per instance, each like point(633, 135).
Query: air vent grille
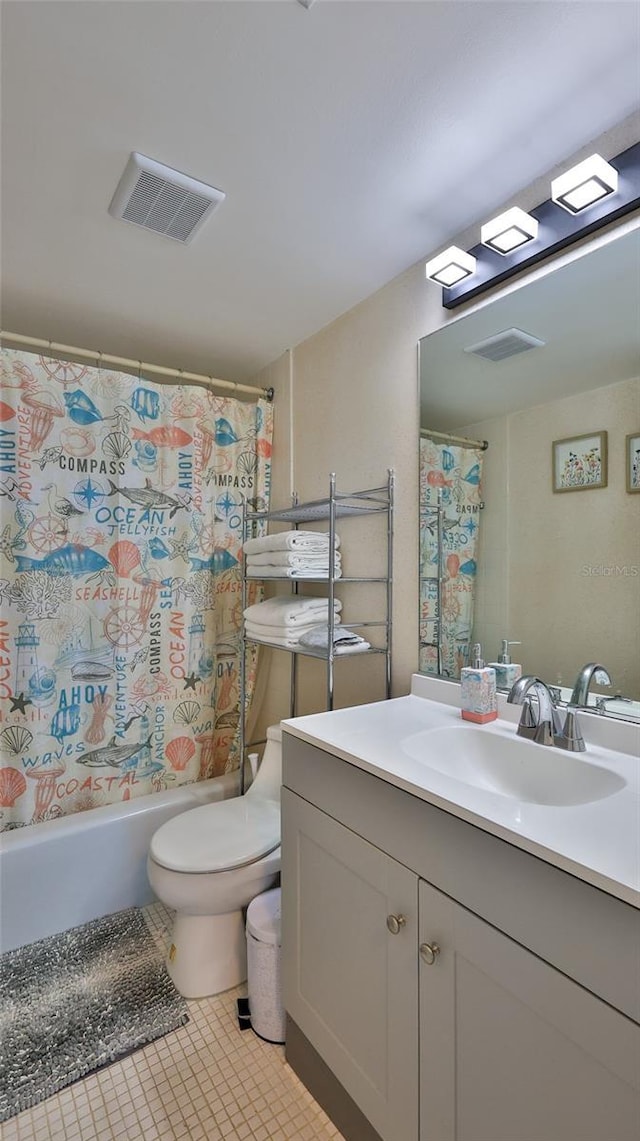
point(506, 344)
point(161, 199)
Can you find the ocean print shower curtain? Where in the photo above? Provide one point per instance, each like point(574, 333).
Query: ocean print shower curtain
point(120, 583)
point(449, 476)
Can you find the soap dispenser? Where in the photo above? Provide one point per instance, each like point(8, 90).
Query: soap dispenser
point(507, 672)
point(478, 690)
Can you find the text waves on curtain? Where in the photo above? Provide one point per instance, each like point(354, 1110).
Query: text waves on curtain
point(451, 476)
point(120, 544)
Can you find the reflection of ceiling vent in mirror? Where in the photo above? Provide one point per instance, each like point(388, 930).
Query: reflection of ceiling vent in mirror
point(161, 199)
point(505, 344)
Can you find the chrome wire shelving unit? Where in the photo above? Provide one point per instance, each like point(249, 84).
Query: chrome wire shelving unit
point(338, 505)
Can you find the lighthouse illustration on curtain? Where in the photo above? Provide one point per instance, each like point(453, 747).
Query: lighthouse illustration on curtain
point(200, 661)
point(33, 682)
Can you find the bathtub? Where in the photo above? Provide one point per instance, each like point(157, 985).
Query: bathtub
point(61, 873)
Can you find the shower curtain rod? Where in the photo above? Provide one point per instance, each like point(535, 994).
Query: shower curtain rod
point(463, 440)
point(139, 366)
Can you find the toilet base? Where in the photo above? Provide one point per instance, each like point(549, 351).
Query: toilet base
point(208, 953)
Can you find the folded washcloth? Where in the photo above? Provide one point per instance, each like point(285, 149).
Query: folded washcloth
point(307, 560)
point(292, 572)
point(290, 541)
point(287, 610)
point(317, 637)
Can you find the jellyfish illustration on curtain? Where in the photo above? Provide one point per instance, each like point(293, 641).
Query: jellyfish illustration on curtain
point(120, 583)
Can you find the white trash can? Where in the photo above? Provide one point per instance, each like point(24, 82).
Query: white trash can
point(264, 970)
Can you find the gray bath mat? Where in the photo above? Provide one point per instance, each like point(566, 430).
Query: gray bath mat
point(71, 1003)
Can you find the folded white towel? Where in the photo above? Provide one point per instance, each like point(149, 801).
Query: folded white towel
point(292, 572)
point(306, 559)
point(289, 541)
point(291, 640)
point(287, 610)
point(317, 637)
point(264, 631)
point(279, 635)
point(289, 644)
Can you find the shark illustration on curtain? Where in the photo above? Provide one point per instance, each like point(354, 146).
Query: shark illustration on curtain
point(120, 584)
point(451, 476)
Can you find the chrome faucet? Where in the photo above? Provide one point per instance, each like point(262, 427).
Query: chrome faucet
point(571, 736)
point(593, 671)
point(543, 725)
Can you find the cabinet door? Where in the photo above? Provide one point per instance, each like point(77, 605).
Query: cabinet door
point(350, 984)
point(510, 1048)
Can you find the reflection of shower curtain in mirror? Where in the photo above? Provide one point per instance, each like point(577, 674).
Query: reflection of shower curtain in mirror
point(120, 583)
point(449, 475)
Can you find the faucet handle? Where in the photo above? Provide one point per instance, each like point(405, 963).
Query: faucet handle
point(571, 737)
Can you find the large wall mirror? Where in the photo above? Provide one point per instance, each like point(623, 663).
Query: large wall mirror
point(530, 479)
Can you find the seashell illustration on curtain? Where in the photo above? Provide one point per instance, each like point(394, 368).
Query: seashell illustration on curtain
point(120, 587)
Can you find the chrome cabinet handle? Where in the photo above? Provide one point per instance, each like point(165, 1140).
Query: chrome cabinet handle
point(394, 923)
point(429, 953)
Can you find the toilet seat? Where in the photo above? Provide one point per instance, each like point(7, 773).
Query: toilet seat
point(218, 837)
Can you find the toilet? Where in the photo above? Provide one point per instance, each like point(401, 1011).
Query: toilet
point(207, 864)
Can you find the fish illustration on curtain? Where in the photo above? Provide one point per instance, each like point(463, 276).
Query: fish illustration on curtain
point(120, 537)
point(450, 476)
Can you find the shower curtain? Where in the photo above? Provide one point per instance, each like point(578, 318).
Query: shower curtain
point(449, 476)
point(120, 584)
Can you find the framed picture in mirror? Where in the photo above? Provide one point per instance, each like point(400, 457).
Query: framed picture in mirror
point(633, 461)
point(580, 462)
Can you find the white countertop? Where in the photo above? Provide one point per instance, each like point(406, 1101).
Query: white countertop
point(598, 842)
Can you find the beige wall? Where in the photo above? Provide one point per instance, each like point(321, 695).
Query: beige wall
point(354, 408)
point(563, 605)
point(536, 547)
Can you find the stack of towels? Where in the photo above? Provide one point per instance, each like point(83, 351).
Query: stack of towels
point(291, 554)
point(291, 622)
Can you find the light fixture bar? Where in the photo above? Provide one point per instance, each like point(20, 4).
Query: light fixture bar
point(588, 182)
point(557, 228)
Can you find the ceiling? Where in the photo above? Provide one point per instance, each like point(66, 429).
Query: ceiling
point(565, 309)
point(351, 140)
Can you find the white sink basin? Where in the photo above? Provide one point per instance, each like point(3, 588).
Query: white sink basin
point(512, 766)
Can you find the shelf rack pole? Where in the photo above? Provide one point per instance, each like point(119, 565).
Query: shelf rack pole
point(293, 673)
point(390, 493)
point(332, 586)
point(243, 652)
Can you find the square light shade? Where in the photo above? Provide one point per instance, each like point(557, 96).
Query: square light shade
point(584, 184)
point(451, 266)
point(509, 231)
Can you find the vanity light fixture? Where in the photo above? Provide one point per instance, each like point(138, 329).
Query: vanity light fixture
point(584, 199)
point(584, 184)
point(451, 266)
point(509, 231)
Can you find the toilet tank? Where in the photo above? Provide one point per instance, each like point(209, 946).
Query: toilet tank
point(268, 781)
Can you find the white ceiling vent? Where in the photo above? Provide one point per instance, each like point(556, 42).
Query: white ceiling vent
point(161, 199)
point(505, 344)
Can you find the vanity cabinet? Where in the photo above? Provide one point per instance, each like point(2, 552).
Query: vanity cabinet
point(439, 1024)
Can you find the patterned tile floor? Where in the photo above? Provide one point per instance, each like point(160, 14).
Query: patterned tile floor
point(206, 1081)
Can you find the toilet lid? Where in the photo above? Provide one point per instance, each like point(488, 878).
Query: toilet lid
point(218, 837)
